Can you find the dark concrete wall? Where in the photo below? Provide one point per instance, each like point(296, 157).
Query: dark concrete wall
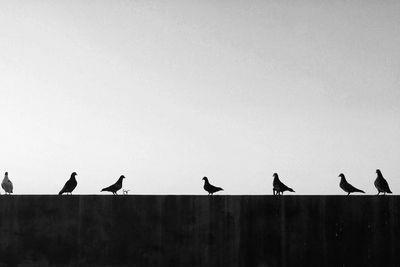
point(199, 230)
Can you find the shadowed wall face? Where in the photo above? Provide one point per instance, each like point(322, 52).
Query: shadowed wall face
point(200, 230)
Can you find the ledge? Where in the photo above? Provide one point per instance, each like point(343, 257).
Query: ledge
point(187, 230)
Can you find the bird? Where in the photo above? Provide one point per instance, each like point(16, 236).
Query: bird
point(348, 187)
point(278, 186)
point(381, 184)
point(115, 187)
point(6, 184)
point(210, 188)
point(69, 185)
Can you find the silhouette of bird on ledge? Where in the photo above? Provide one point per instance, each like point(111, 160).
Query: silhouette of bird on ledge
point(7, 184)
point(210, 188)
point(115, 187)
point(348, 187)
point(381, 184)
point(69, 185)
point(278, 186)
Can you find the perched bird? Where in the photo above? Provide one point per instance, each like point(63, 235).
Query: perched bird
point(210, 188)
point(278, 186)
point(7, 184)
point(115, 187)
point(69, 185)
point(346, 186)
point(381, 184)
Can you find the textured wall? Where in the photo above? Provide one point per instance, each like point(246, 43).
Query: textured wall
point(200, 230)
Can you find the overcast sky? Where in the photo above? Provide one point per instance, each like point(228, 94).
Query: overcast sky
point(166, 92)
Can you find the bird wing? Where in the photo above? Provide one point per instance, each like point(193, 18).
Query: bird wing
point(212, 189)
point(385, 185)
point(216, 188)
point(350, 188)
point(111, 188)
point(7, 186)
point(11, 187)
point(282, 187)
point(68, 187)
point(381, 184)
point(64, 188)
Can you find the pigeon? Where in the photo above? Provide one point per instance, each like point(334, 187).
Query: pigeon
point(348, 187)
point(115, 187)
point(278, 186)
point(69, 185)
point(7, 184)
point(210, 188)
point(381, 184)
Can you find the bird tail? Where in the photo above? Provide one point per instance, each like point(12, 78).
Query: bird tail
point(361, 191)
point(389, 192)
point(291, 190)
point(102, 190)
point(60, 193)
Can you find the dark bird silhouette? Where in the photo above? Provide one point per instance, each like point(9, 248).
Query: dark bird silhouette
point(348, 187)
point(381, 184)
point(115, 187)
point(69, 185)
point(6, 184)
point(210, 188)
point(278, 186)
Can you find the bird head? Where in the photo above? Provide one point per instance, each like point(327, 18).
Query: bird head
point(205, 178)
point(275, 175)
point(6, 174)
point(73, 174)
point(341, 175)
point(122, 177)
point(378, 172)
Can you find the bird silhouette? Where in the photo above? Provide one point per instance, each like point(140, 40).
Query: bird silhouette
point(278, 186)
point(381, 184)
point(209, 187)
point(6, 184)
point(115, 187)
point(348, 187)
point(69, 185)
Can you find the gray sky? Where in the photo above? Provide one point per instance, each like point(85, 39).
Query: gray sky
point(166, 92)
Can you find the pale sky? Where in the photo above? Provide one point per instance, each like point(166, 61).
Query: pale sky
point(166, 92)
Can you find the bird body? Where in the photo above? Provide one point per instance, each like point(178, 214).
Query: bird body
point(278, 186)
point(210, 188)
point(69, 185)
point(381, 184)
point(6, 184)
point(348, 187)
point(115, 187)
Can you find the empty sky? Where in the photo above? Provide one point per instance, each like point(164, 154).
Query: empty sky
point(166, 92)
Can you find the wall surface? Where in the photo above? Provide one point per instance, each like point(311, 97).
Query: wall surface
point(199, 230)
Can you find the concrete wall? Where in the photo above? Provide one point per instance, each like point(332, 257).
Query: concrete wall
point(199, 230)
